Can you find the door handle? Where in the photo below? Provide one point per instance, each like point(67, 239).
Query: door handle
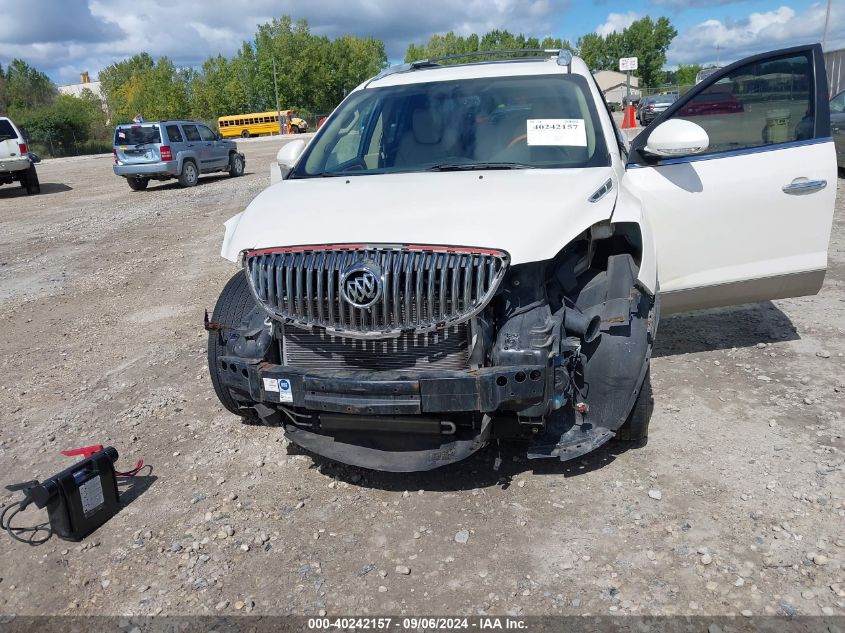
point(799, 187)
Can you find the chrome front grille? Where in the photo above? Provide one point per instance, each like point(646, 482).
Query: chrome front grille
point(411, 288)
point(441, 350)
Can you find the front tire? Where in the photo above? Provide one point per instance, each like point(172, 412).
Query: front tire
point(138, 184)
point(635, 428)
point(189, 175)
point(234, 303)
point(245, 134)
point(236, 165)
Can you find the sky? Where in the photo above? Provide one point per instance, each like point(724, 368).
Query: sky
point(65, 37)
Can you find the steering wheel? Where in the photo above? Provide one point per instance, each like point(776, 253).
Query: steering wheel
point(517, 139)
point(354, 164)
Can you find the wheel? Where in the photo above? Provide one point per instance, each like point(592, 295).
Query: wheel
point(245, 134)
point(234, 303)
point(236, 165)
point(635, 428)
point(29, 181)
point(189, 175)
point(137, 183)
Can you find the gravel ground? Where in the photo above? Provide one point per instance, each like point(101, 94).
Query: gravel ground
point(735, 506)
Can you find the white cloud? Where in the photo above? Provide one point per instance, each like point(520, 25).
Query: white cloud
point(717, 41)
point(189, 32)
point(617, 22)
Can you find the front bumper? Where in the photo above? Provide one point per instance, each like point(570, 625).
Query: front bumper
point(404, 412)
point(164, 168)
point(389, 392)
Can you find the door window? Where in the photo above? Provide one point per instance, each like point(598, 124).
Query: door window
point(191, 132)
point(762, 103)
point(206, 134)
point(837, 104)
point(174, 134)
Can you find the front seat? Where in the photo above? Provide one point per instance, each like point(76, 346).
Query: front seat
point(423, 142)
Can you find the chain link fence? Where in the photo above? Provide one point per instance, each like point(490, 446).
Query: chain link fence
point(47, 145)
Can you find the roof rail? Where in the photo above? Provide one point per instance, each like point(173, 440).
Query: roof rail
point(563, 56)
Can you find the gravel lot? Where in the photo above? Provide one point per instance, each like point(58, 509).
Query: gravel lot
point(736, 505)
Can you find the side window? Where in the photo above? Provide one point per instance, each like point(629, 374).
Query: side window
point(174, 134)
point(762, 103)
point(350, 140)
point(191, 132)
point(837, 104)
point(206, 134)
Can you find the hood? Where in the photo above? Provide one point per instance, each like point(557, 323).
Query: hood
point(531, 213)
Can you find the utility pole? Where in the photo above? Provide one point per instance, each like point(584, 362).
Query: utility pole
point(826, 24)
point(276, 90)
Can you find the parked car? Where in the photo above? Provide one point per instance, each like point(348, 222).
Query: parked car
point(650, 107)
point(161, 150)
point(467, 253)
point(16, 162)
point(837, 126)
point(716, 101)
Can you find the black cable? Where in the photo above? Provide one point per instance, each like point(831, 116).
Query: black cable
point(6, 524)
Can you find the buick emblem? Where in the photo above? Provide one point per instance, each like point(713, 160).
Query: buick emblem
point(360, 285)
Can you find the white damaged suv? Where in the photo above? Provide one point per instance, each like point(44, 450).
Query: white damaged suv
point(16, 163)
point(472, 252)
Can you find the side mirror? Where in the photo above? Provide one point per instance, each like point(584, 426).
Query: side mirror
point(677, 137)
point(288, 155)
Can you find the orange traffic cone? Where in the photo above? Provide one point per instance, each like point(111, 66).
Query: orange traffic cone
point(630, 120)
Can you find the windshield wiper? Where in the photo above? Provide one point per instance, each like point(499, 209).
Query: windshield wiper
point(472, 166)
point(6, 137)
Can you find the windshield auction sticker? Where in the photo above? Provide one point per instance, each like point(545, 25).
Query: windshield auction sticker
point(569, 132)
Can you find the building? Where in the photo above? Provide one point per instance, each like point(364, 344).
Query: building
point(85, 83)
point(613, 85)
point(834, 62)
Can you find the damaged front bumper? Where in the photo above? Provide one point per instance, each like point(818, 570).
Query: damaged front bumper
point(404, 421)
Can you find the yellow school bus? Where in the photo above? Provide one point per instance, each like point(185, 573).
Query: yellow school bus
point(256, 123)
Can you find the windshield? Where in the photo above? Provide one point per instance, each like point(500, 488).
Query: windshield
point(491, 123)
point(663, 100)
point(137, 135)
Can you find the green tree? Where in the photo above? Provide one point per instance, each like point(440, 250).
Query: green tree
point(649, 40)
point(3, 103)
point(114, 77)
point(685, 74)
point(451, 44)
point(313, 72)
point(646, 39)
point(154, 89)
point(26, 87)
point(64, 124)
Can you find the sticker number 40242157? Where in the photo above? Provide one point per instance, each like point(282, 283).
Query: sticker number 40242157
point(557, 132)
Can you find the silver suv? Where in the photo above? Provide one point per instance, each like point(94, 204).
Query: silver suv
point(162, 150)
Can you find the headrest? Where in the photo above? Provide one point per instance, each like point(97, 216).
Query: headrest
point(427, 127)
